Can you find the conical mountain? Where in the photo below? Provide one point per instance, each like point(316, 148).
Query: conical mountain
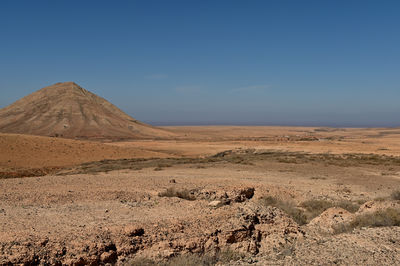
point(67, 110)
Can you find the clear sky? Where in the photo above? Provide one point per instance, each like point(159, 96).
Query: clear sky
point(324, 63)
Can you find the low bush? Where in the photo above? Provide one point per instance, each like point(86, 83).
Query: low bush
point(142, 262)
point(225, 256)
point(396, 195)
point(173, 192)
point(288, 207)
point(386, 217)
point(312, 208)
point(316, 207)
point(191, 260)
point(348, 205)
point(318, 178)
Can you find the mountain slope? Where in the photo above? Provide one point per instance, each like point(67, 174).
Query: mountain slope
point(67, 110)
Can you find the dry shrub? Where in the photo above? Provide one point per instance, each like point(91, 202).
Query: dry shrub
point(361, 201)
point(287, 160)
point(318, 178)
point(348, 205)
point(313, 208)
point(173, 192)
point(225, 256)
point(386, 217)
point(379, 218)
point(380, 199)
point(316, 207)
point(191, 260)
point(288, 207)
point(142, 262)
point(396, 195)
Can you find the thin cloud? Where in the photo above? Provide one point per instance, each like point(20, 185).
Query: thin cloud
point(250, 88)
point(156, 76)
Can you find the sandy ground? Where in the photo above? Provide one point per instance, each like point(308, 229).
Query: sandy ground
point(199, 140)
point(26, 151)
point(118, 216)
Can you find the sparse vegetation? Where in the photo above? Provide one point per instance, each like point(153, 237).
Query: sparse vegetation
point(142, 262)
point(380, 199)
point(318, 178)
point(245, 157)
point(346, 190)
point(348, 205)
point(316, 207)
point(228, 255)
point(288, 207)
point(190, 259)
point(361, 201)
point(386, 217)
point(312, 208)
point(396, 195)
point(179, 193)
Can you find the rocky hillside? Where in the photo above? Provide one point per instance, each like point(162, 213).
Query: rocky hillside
point(67, 110)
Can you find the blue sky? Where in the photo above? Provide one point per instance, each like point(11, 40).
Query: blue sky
point(323, 63)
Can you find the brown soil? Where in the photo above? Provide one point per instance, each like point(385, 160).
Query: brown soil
point(22, 152)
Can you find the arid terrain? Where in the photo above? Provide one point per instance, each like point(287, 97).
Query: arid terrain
point(67, 110)
point(210, 195)
point(82, 183)
point(200, 133)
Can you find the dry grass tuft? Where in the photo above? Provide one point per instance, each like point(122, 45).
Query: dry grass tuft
point(173, 192)
point(312, 208)
point(142, 262)
point(191, 260)
point(395, 195)
point(316, 207)
point(318, 178)
point(288, 207)
point(225, 256)
point(386, 217)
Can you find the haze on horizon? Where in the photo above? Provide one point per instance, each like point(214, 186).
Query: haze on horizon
point(312, 63)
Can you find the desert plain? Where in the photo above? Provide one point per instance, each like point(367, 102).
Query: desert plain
point(203, 195)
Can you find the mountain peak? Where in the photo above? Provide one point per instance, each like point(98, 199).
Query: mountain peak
point(68, 110)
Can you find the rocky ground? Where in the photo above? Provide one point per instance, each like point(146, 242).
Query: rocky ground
point(237, 208)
